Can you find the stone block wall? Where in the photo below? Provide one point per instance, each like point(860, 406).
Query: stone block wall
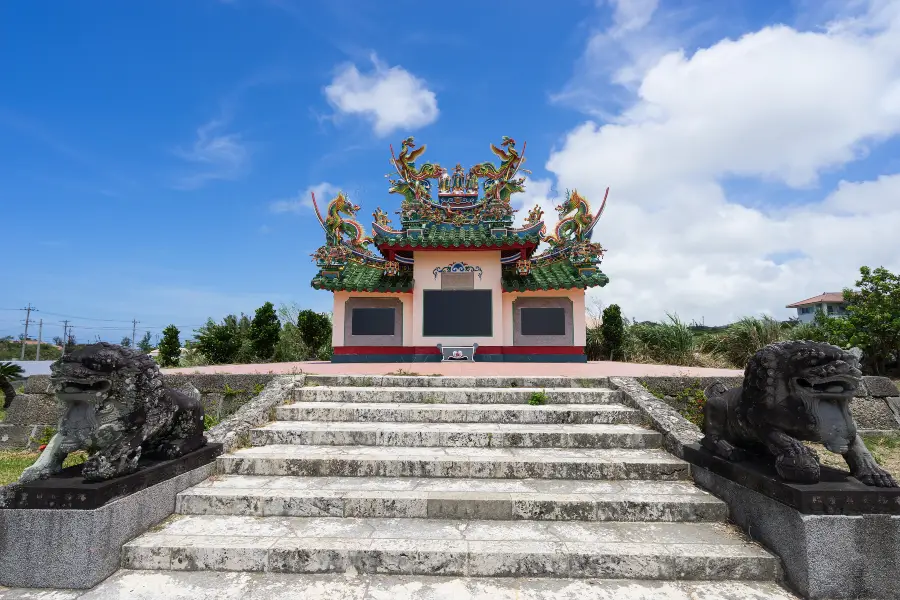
point(876, 406)
point(36, 409)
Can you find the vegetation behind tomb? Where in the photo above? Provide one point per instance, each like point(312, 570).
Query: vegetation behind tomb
point(289, 334)
point(11, 349)
point(873, 325)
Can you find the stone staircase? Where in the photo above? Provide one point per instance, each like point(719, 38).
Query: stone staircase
point(428, 477)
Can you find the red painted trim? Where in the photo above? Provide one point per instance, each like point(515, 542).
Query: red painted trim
point(386, 247)
point(529, 350)
point(376, 350)
point(386, 350)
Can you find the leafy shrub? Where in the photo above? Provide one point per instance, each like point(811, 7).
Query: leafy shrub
point(315, 332)
point(264, 331)
point(612, 331)
point(538, 398)
point(170, 347)
point(690, 402)
point(210, 421)
point(219, 342)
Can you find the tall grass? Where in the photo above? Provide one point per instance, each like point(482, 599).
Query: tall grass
point(670, 343)
point(743, 339)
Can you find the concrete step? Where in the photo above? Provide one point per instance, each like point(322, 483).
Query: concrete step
point(682, 551)
point(397, 412)
point(209, 585)
point(470, 435)
point(411, 497)
point(453, 381)
point(479, 463)
point(456, 395)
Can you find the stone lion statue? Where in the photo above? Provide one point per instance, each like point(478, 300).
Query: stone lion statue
point(116, 407)
point(792, 391)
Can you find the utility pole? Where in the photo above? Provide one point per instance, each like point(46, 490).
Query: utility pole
point(65, 336)
point(40, 332)
point(27, 310)
point(134, 323)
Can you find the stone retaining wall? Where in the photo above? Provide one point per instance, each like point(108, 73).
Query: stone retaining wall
point(876, 406)
point(36, 409)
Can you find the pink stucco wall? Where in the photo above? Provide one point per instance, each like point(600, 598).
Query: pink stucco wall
point(578, 312)
point(340, 300)
point(423, 274)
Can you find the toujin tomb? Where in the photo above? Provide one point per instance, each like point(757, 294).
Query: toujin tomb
point(456, 280)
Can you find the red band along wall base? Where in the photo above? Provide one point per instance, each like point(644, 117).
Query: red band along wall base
point(483, 354)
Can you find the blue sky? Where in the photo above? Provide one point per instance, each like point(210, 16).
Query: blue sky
point(146, 147)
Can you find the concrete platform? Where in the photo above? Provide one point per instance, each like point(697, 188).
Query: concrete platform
point(204, 585)
point(673, 551)
point(590, 369)
point(502, 463)
point(410, 497)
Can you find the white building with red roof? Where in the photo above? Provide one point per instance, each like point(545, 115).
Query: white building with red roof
point(830, 303)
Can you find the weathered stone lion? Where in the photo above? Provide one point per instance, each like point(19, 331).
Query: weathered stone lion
point(792, 391)
point(116, 407)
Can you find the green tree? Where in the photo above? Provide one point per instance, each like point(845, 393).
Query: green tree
point(221, 342)
point(126, 342)
point(9, 372)
point(170, 347)
point(145, 345)
point(612, 330)
point(264, 331)
point(873, 319)
point(315, 331)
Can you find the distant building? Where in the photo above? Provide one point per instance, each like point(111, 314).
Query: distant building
point(830, 303)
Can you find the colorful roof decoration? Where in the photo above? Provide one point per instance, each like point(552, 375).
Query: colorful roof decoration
point(462, 209)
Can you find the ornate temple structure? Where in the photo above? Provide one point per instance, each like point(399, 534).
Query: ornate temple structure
point(456, 280)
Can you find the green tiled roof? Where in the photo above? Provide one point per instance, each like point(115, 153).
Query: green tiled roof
point(442, 237)
point(363, 278)
point(560, 275)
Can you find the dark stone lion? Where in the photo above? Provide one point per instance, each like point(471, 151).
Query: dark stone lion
point(116, 407)
point(792, 391)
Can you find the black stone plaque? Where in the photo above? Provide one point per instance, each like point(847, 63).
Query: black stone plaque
point(837, 493)
point(372, 321)
point(454, 313)
point(543, 321)
point(68, 490)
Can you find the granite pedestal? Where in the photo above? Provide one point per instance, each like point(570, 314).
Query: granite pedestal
point(836, 539)
point(80, 545)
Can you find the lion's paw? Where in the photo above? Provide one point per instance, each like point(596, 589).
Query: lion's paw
point(876, 477)
point(800, 468)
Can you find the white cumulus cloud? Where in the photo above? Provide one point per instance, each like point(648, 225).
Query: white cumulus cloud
point(391, 98)
point(777, 105)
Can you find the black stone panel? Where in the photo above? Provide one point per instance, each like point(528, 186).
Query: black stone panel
point(372, 321)
point(543, 321)
point(455, 313)
point(68, 490)
point(837, 493)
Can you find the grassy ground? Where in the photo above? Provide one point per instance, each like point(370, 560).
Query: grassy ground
point(13, 463)
point(886, 451)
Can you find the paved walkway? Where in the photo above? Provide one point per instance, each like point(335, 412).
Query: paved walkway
point(591, 369)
